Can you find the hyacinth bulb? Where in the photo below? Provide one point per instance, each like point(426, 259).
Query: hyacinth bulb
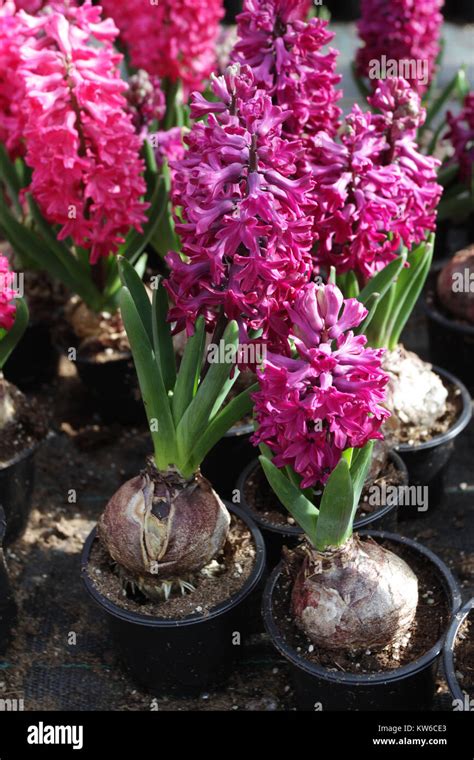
point(160, 527)
point(357, 596)
point(455, 286)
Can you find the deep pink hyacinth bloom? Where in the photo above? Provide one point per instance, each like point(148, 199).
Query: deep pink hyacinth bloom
point(7, 295)
point(374, 189)
point(245, 234)
point(287, 58)
point(401, 30)
point(309, 409)
point(461, 136)
point(172, 39)
point(81, 143)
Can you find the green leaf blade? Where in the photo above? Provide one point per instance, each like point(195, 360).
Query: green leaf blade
point(334, 524)
point(299, 507)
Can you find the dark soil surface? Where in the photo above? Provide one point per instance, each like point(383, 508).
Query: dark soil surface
point(217, 582)
point(27, 428)
point(62, 658)
point(431, 618)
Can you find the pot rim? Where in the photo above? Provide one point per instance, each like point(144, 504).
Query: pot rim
point(458, 426)
point(450, 588)
point(238, 431)
point(448, 650)
point(154, 622)
point(24, 453)
point(437, 316)
point(295, 530)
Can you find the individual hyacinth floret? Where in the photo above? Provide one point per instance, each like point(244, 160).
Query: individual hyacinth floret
point(461, 137)
point(374, 190)
point(288, 61)
point(311, 408)
point(7, 295)
point(171, 39)
point(81, 143)
point(244, 232)
point(404, 31)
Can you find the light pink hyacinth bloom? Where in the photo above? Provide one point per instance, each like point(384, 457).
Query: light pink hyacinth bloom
point(80, 140)
point(172, 39)
point(310, 408)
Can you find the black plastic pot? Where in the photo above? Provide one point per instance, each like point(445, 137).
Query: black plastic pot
point(277, 536)
point(224, 463)
point(451, 238)
point(182, 657)
point(451, 342)
point(427, 463)
point(459, 697)
point(411, 687)
point(343, 10)
point(114, 387)
point(35, 359)
point(16, 488)
point(8, 608)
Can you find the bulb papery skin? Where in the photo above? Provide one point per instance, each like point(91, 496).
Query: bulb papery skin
point(159, 526)
point(354, 597)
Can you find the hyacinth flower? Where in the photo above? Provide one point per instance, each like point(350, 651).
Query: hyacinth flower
point(13, 323)
point(245, 235)
point(78, 197)
point(403, 32)
point(457, 172)
point(288, 61)
point(318, 414)
point(374, 190)
point(168, 523)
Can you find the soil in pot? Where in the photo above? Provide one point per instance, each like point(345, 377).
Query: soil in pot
point(19, 440)
point(401, 676)
point(214, 584)
point(431, 620)
point(464, 656)
point(99, 347)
